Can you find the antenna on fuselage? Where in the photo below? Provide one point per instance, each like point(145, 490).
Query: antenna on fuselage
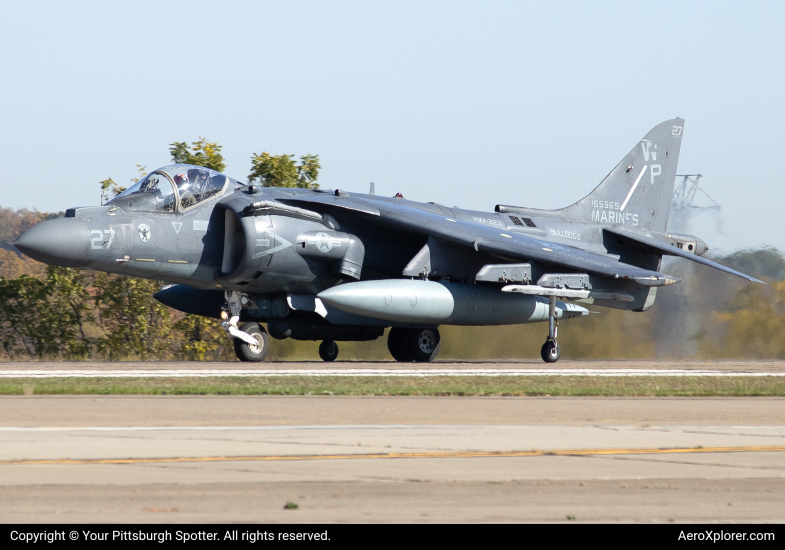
point(373, 189)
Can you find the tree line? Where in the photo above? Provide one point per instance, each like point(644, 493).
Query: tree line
point(68, 314)
point(78, 315)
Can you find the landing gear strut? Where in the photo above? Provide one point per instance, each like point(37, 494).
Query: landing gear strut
point(414, 344)
point(550, 351)
point(251, 342)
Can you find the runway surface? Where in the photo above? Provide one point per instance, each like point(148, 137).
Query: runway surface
point(391, 368)
point(378, 373)
point(389, 459)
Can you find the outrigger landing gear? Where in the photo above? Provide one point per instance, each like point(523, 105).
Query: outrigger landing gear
point(550, 351)
point(251, 342)
point(328, 350)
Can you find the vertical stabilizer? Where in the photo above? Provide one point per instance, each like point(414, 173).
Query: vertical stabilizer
point(637, 194)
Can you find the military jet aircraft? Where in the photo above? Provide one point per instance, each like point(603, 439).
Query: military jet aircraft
point(335, 266)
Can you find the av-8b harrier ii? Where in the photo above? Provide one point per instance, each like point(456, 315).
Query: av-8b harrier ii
point(338, 266)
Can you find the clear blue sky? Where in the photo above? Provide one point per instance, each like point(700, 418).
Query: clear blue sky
point(463, 103)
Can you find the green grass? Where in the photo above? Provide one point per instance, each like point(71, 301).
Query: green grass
point(436, 386)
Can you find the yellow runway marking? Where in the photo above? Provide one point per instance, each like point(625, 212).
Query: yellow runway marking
point(454, 454)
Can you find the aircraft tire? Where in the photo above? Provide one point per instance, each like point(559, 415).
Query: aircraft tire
point(328, 350)
point(550, 351)
point(245, 352)
point(423, 344)
point(396, 344)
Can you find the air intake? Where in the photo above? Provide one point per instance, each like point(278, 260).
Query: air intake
point(515, 220)
point(529, 222)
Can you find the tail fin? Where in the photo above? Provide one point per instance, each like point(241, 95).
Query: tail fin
point(638, 192)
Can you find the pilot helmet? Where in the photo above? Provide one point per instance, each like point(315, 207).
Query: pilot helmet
point(181, 180)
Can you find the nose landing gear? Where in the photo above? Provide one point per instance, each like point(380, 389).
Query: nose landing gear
point(251, 342)
point(256, 351)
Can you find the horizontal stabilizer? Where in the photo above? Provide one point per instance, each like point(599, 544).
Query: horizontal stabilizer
point(663, 248)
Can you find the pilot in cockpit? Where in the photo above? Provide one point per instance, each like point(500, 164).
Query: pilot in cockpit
point(183, 184)
point(198, 179)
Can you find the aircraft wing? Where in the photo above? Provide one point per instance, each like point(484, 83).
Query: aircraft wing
point(663, 248)
point(493, 240)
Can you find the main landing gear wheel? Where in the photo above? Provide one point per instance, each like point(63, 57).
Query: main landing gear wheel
point(414, 344)
point(328, 350)
point(425, 344)
point(396, 345)
point(550, 351)
point(252, 352)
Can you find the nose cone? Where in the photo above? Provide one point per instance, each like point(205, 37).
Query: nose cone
point(62, 241)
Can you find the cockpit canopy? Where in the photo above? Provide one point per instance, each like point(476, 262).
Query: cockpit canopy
point(173, 188)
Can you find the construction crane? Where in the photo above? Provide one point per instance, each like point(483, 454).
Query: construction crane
point(684, 211)
point(684, 194)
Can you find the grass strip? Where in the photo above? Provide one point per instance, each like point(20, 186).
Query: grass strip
point(623, 386)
